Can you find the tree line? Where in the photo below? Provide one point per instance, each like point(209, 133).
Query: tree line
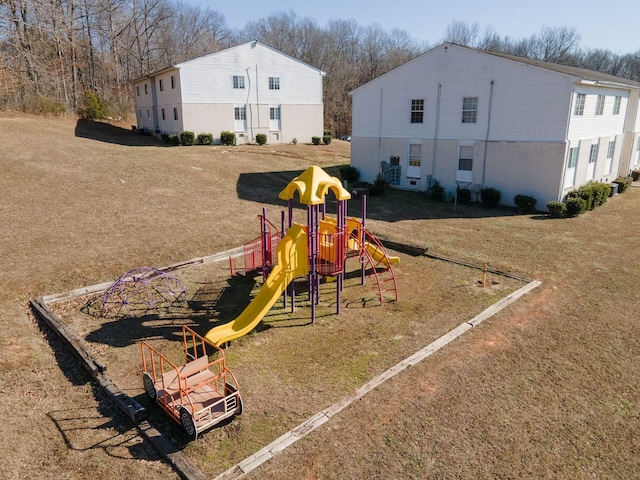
point(58, 55)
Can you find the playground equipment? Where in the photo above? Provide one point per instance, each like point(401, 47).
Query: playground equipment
point(198, 394)
point(141, 290)
point(319, 249)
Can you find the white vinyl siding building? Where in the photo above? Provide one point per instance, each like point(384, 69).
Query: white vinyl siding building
point(235, 90)
point(521, 126)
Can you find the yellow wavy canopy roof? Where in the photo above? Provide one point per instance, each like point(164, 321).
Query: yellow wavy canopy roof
point(312, 185)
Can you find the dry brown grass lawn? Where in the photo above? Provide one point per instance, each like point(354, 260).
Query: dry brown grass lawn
point(546, 389)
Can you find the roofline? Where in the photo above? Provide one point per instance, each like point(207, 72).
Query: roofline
point(581, 75)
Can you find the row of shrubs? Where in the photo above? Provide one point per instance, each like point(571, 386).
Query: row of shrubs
point(188, 138)
point(587, 197)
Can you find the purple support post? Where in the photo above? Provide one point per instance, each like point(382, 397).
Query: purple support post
point(364, 219)
point(339, 253)
point(284, 294)
point(293, 288)
point(312, 256)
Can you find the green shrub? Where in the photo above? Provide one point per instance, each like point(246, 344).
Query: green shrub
point(261, 138)
point(575, 206)
point(327, 139)
point(45, 106)
point(464, 195)
point(635, 175)
point(164, 136)
point(349, 174)
point(601, 192)
point(525, 203)
point(204, 139)
point(227, 138)
point(327, 133)
point(92, 106)
point(623, 183)
point(316, 140)
point(186, 138)
point(490, 197)
point(294, 141)
point(557, 209)
point(437, 191)
point(174, 139)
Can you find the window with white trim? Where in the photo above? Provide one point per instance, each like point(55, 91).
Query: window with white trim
point(469, 109)
point(161, 83)
point(240, 113)
point(238, 81)
point(415, 154)
point(138, 90)
point(465, 158)
point(600, 105)
point(581, 98)
point(175, 113)
point(146, 91)
point(617, 101)
point(274, 83)
point(163, 115)
point(173, 81)
point(593, 154)
point(573, 157)
point(417, 110)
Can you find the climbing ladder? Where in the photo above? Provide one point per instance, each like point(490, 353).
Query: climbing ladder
point(380, 269)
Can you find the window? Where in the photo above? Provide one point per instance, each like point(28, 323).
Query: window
point(600, 105)
point(573, 157)
point(611, 149)
point(274, 83)
point(417, 111)
point(145, 89)
point(465, 158)
point(163, 117)
point(415, 154)
point(240, 113)
point(616, 105)
point(274, 113)
point(238, 81)
point(579, 108)
point(138, 90)
point(469, 109)
point(175, 113)
point(593, 155)
point(173, 81)
point(161, 82)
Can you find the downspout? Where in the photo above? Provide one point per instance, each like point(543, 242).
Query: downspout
point(258, 95)
point(380, 132)
point(435, 136)
point(486, 140)
point(250, 113)
point(566, 145)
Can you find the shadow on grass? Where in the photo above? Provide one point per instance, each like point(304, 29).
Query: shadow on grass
point(393, 206)
point(105, 132)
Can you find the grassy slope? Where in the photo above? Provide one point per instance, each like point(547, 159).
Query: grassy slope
point(546, 389)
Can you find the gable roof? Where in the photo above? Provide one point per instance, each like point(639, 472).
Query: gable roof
point(241, 45)
point(589, 76)
point(585, 74)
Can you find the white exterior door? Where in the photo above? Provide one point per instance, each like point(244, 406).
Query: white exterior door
point(572, 163)
point(240, 118)
point(274, 119)
point(591, 167)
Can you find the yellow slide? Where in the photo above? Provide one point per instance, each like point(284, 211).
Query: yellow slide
point(293, 261)
point(380, 256)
